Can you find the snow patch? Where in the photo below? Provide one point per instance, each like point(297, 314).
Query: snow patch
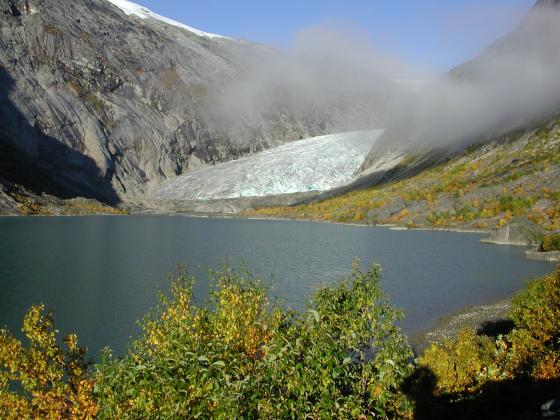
point(313, 164)
point(130, 8)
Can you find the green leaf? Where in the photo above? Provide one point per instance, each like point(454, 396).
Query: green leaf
point(315, 314)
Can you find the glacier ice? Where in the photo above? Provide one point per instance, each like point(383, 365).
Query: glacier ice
point(130, 8)
point(313, 164)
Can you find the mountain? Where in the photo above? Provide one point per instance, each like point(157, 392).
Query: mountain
point(547, 3)
point(510, 87)
point(105, 99)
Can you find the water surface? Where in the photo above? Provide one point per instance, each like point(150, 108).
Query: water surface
point(101, 274)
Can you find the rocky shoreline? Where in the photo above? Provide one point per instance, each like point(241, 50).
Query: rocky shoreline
point(489, 319)
point(535, 254)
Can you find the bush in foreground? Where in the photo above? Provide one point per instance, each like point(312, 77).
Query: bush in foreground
point(343, 358)
point(241, 356)
point(516, 368)
point(54, 382)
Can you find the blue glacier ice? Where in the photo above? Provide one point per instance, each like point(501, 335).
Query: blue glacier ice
point(313, 164)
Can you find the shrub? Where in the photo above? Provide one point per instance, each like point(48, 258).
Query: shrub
point(530, 351)
point(42, 380)
point(460, 365)
point(244, 357)
point(551, 243)
point(465, 214)
point(535, 341)
point(515, 205)
point(439, 219)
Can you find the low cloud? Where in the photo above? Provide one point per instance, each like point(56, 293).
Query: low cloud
point(514, 83)
point(336, 73)
point(330, 70)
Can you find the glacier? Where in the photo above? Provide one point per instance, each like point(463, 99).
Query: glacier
point(129, 8)
point(313, 164)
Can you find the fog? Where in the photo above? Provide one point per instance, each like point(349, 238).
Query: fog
point(330, 74)
point(337, 75)
point(514, 84)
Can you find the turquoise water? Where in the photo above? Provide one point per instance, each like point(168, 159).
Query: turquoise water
point(100, 274)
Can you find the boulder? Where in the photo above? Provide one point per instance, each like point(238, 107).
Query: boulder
point(518, 232)
point(542, 204)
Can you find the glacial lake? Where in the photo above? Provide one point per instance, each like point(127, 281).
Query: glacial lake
point(101, 274)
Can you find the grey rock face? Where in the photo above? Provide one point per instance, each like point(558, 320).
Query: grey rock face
point(518, 232)
point(548, 3)
point(543, 204)
point(7, 203)
point(99, 104)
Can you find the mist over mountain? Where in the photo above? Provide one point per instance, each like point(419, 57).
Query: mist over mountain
point(513, 85)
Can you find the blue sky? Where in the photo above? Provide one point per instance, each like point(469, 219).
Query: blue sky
point(433, 34)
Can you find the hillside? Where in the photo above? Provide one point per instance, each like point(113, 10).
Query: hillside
point(485, 187)
point(101, 101)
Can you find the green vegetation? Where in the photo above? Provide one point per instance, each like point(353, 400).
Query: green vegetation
point(530, 352)
point(54, 382)
point(515, 205)
point(89, 96)
point(461, 365)
point(241, 356)
point(509, 376)
point(46, 205)
point(551, 243)
point(245, 358)
point(483, 188)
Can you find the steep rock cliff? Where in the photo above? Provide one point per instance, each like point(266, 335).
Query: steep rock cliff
point(98, 103)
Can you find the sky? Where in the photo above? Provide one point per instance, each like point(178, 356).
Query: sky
point(432, 35)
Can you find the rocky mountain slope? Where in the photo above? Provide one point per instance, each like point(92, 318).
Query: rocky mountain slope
point(7, 203)
point(100, 101)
